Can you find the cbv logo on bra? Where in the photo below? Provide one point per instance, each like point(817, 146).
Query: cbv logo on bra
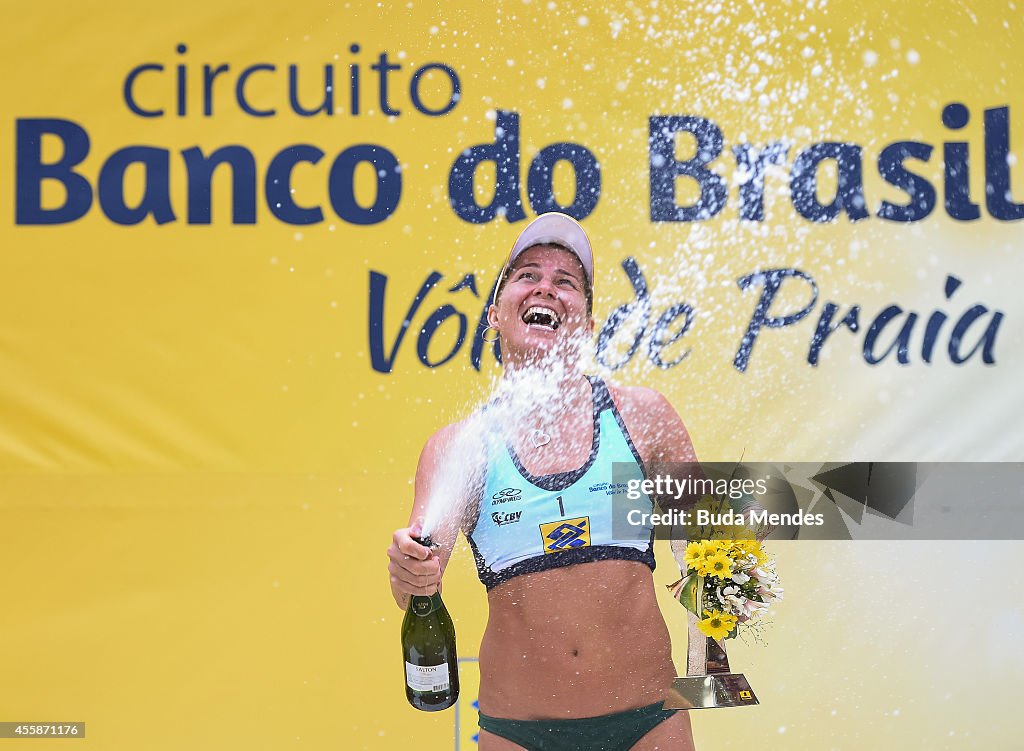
point(508, 517)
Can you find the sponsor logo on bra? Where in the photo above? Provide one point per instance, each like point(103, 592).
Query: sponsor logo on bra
point(565, 535)
point(505, 517)
point(508, 495)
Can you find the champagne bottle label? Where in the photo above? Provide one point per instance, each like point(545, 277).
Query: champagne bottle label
point(431, 678)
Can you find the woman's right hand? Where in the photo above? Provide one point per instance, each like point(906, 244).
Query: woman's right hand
point(414, 568)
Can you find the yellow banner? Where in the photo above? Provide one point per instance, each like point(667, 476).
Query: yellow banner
point(246, 252)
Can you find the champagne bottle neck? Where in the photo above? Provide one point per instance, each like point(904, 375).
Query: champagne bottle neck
point(425, 604)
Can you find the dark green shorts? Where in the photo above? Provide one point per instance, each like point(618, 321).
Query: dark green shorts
point(609, 732)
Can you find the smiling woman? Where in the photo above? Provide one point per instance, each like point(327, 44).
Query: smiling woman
point(543, 290)
point(563, 588)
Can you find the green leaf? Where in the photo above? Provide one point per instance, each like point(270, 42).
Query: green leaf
point(689, 593)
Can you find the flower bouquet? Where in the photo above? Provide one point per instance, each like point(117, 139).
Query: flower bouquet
point(729, 584)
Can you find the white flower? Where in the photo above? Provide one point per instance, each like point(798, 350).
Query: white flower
point(740, 578)
point(757, 609)
point(770, 592)
point(747, 608)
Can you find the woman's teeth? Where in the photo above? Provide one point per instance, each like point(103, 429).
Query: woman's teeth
point(543, 317)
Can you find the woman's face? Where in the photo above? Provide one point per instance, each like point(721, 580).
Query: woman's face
point(543, 302)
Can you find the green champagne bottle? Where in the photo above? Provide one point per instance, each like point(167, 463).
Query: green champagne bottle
point(428, 644)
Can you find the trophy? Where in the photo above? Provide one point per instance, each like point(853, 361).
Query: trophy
point(715, 525)
point(708, 682)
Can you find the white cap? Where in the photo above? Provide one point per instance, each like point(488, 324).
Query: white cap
point(554, 227)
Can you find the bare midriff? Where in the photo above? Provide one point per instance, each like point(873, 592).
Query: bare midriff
point(577, 641)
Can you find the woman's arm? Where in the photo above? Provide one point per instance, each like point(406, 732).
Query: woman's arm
point(654, 425)
point(413, 568)
point(660, 436)
point(657, 427)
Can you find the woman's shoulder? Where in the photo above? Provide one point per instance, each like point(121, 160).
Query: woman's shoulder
point(465, 437)
point(454, 452)
point(637, 399)
point(653, 423)
point(447, 435)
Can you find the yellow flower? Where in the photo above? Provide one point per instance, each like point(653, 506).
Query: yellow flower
point(719, 565)
point(716, 624)
point(748, 544)
point(714, 506)
point(711, 547)
point(744, 534)
point(730, 533)
point(710, 503)
point(696, 552)
point(754, 548)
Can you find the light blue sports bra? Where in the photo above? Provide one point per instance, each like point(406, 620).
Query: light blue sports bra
point(528, 523)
